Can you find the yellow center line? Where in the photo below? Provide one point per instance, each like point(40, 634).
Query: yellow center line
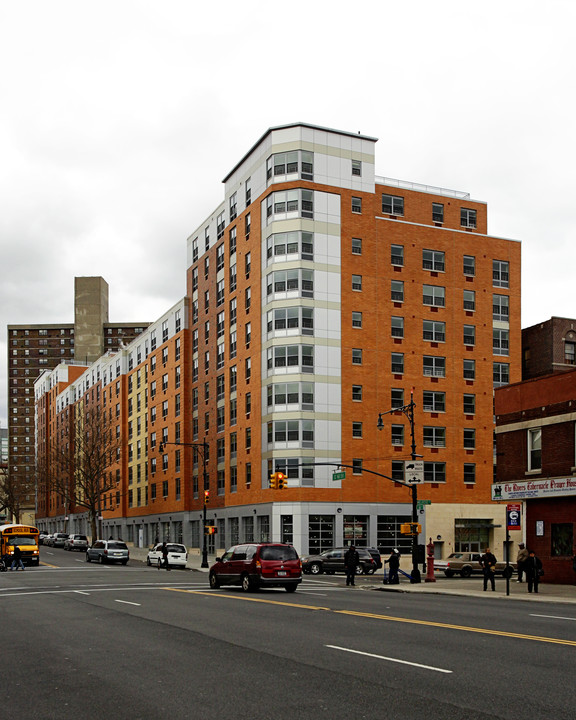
point(45, 564)
point(388, 618)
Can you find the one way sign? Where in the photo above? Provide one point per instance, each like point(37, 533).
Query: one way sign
point(414, 471)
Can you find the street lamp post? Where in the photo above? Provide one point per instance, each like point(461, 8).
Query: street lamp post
point(408, 410)
point(204, 446)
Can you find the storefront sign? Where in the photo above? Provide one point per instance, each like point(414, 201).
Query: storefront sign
point(542, 488)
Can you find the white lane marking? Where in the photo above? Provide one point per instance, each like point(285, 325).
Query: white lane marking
point(306, 592)
point(160, 586)
point(389, 659)
point(81, 592)
point(125, 602)
point(553, 617)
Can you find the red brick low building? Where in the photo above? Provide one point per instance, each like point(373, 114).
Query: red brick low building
point(536, 452)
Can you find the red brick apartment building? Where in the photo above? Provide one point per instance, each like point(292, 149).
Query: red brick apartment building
point(35, 348)
point(536, 446)
point(318, 296)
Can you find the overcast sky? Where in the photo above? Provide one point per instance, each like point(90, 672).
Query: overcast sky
point(119, 119)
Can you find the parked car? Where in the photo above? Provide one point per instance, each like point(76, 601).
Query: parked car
point(332, 561)
point(108, 551)
point(76, 542)
point(42, 537)
point(48, 539)
point(258, 565)
point(466, 564)
point(376, 555)
point(177, 555)
point(58, 540)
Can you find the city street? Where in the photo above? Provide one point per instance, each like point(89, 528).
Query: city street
point(88, 641)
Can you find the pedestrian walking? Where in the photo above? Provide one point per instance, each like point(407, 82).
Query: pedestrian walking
point(165, 556)
point(393, 563)
point(488, 563)
point(533, 570)
point(351, 560)
point(521, 559)
point(17, 558)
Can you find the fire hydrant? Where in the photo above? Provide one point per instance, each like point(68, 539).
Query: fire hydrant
point(430, 562)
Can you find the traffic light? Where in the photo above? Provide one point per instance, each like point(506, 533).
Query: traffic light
point(206, 497)
point(210, 529)
point(410, 529)
point(273, 481)
point(281, 481)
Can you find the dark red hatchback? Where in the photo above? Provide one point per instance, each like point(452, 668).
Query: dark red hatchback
point(258, 565)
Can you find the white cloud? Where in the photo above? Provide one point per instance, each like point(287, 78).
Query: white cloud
point(121, 118)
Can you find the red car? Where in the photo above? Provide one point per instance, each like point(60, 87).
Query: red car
point(258, 565)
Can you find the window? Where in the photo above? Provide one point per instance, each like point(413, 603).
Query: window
point(289, 163)
point(357, 392)
point(291, 356)
point(356, 205)
point(248, 191)
point(500, 308)
point(397, 435)
point(298, 281)
point(392, 205)
point(357, 168)
point(469, 300)
point(248, 333)
point(397, 398)
point(357, 246)
point(433, 260)
point(397, 326)
point(434, 295)
point(397, 291)
point(501, 374)
point(291, 320)
point(500, 273)
point(292, 203)
point(194, 250)
point(500, 343)
point(434, 366)
point(437, 212)
point(397, 254)
point(220, 225)
point(469, 265)
point(469, 404)
point(434, 472)
point(356, 429)
point(247, 225)
point(194, 279)
point(397, 363)
point(434, 401)
point(356, 282)
point(294, 395)
point(247, 368)
point(569, 353)
point(535, 449)
point(467, 218)
point(469, 472)
point(206, 268)
point(434, 330)
point(233, 304)
point(357, 466)
point(356, 356)
point(434, 436)
point(233, 211)
point(290, 245)
point(469, 334)
point(357, 319)
point(469, 372)
point(233, 378)
point(247, 264)
point(232, 241)
point(220, 257)
point(562, 537)
point(469, 438)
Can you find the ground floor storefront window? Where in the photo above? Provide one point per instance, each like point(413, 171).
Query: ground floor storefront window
point(471, 535)
point(320, 532)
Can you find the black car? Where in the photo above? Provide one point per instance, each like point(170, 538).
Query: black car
point(332, 561)
point(376, 555)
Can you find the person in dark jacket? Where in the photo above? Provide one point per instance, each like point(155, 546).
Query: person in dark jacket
point(488, 562)
point(532, 569)
point(165, 562)
point(393, 563)
point(17, 558)
point(351, 560)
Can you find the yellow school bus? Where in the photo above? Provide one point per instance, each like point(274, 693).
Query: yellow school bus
point(25, 537)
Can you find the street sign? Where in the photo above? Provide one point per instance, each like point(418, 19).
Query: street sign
point(339, 475)
point(420, 503)
point(513, 516)
point(413, 471)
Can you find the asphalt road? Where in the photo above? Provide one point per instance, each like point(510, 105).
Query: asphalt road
point(90, 641)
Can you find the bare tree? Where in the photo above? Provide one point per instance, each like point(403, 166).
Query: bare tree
point(14, 495)
point(82, 466)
